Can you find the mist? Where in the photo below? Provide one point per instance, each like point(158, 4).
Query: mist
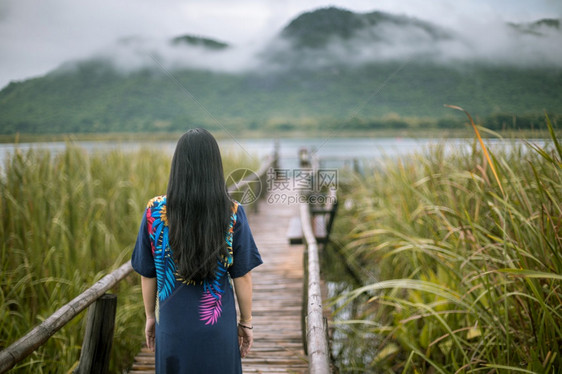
point(36, 37)
point(501, 43)
point(492, 41)
point(475, 41)
point(136, 53)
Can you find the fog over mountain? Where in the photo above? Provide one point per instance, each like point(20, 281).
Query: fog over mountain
point(333, 36)
point(133, 53)
point(36, 37)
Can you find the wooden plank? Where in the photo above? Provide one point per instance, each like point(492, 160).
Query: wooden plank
point(294, 232)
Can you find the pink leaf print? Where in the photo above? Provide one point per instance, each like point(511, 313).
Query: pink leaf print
point(210, 309)
point(150, 222)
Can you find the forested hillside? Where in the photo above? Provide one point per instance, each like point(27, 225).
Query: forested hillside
point(324, 69)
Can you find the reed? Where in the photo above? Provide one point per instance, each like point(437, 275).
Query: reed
point(65, 221)
point(465, 246)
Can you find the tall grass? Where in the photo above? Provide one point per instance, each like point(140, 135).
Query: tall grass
point(468, 267)
point(65, 221)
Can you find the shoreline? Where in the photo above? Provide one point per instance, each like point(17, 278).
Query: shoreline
point(260, 134)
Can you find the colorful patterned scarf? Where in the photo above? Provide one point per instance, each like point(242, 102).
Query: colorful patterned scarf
point(210, 308)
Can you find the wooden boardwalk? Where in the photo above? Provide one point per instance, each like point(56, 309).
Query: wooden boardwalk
point(277, 299)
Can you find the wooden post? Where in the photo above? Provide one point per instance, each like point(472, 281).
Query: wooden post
point(96, 348)
point(276, 146)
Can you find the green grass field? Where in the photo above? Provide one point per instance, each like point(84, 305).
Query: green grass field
point(460, 262)
point(65, 221)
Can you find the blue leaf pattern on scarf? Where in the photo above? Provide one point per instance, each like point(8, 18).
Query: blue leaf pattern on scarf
point(210, 308)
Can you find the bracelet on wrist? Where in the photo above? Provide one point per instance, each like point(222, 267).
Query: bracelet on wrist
point(245, 320)
point(246, 327)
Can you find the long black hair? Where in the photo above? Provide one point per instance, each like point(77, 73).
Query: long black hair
point(198, 206)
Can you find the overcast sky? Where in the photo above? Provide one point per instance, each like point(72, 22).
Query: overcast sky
point(37, 36)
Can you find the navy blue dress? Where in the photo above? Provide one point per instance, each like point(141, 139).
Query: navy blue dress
point(196, 329)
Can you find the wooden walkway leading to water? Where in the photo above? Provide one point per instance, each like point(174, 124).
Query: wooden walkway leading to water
point(277, 299)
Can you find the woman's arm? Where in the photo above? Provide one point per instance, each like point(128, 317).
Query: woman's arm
point(148, 286)
point(243, 289)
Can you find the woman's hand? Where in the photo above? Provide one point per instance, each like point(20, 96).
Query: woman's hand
point(150, 332)
point(148, 286)
point(245, 339)
point(243, 288)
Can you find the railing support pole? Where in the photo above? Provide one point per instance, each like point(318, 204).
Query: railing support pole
point(96, 348)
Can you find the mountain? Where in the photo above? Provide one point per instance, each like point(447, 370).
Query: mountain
point(329, 68)
point(334, 36)
point(316, 29)
point(538, 28)
point(199, 41)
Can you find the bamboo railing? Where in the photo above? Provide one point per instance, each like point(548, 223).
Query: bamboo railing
point(315, 327)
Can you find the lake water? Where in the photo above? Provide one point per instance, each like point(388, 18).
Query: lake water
point(333, 150)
